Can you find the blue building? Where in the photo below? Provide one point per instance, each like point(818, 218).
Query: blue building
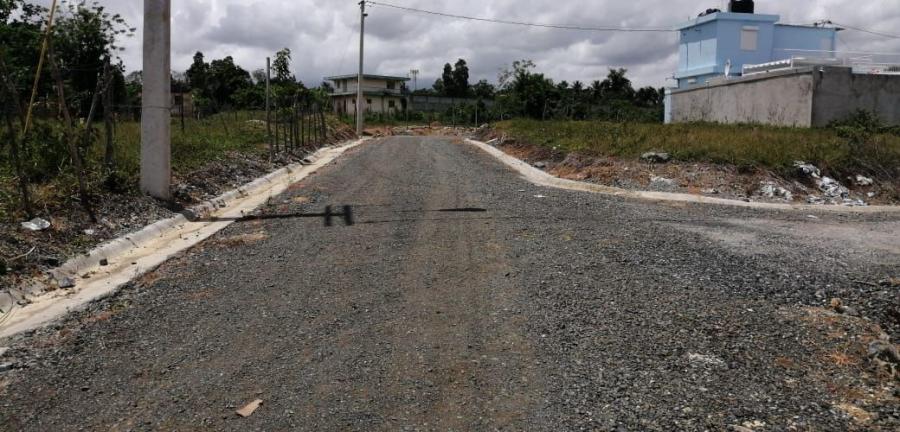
point(720, 43)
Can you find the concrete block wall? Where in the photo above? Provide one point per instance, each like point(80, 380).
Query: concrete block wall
point(783, 99)
point(839, 93)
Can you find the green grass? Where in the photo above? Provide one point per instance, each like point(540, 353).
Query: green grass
point(201, 142)
point(769, 147)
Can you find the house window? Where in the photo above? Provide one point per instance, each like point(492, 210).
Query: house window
point(749, 38)
point(391, 104)
point(368, 101)
point(391, 85)
point(344, 83)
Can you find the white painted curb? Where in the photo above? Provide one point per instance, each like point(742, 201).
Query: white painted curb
point(137, 253)
point(542, 178)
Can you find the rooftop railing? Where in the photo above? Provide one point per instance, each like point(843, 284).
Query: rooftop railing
point(869, 63)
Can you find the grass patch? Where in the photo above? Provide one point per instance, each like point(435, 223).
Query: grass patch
point(769, 147)
point(51, 175)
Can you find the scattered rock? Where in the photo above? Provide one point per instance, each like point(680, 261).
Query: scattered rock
point(5, 367)
point(493, 142)
point(710, 191)
point(737, 428)
point(89, 232)
point(839, 307)
point(36, 224)
point(66, 282)
point(662, 184)
point(772, 190)
point(807, 170)
point(890, 282)
point(540, 165)
point(706, 360)
point(104, 262)
point(854, 203)
point(656, 157)
point(884, 350)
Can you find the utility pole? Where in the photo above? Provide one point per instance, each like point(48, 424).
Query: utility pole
point(268, 105)
point(360, 111)
point(156, 115)
point(415, 75)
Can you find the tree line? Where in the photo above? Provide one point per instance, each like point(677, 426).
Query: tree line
point(523, 92)
point(221, 84)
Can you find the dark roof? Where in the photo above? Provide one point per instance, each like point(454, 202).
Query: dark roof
point(383, 77)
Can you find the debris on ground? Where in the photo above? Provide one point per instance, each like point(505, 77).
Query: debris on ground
point(248, 409)
point(832, 188)
point(540, 165)
point(839, 307)
point(863, 181)
point(890, 282)
point(771, 190)
point(706, 360)
point(656, 157)
point(883, 350)
point(662, 184)
point(807, 170)
point(36, 224)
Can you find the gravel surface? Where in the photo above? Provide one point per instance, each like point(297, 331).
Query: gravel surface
point(464, 298)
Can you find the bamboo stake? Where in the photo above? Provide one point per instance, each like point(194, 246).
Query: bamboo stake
point(37, 75)
point(73, 149)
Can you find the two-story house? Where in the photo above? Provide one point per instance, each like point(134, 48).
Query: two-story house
point(383, 94)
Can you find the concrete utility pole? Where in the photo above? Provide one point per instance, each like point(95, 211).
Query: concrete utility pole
point(156, 115)
point(360, 111)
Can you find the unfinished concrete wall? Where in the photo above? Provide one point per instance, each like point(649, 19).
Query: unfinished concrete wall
point(839, 93)
point(783, 99)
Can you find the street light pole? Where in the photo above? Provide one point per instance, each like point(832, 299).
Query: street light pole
point(360, 112)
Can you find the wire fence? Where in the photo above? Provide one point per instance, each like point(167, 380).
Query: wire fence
point(92, 139)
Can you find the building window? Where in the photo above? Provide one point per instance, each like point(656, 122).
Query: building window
point(391, 85)
point(344, 83)
point(391, 104)
point(749, 38)
point(368, 101)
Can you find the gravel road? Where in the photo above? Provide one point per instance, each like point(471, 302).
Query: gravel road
point(455, 296)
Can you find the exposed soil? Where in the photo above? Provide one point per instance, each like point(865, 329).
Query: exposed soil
point(708, 179)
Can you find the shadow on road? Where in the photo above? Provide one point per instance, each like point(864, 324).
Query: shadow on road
point(329, 215)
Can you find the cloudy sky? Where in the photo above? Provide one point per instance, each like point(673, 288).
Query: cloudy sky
point(324, 34)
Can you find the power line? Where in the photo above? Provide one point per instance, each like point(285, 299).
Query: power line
point(872, 32)
point(585, 28)
point(527, 24)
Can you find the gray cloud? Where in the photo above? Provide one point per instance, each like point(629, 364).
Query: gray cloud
point(324, 34)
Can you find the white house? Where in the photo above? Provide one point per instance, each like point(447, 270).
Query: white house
point(382, 94)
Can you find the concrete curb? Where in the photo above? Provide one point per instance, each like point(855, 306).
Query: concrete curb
point(135, 254)
point(542, 178)
point(122, 244)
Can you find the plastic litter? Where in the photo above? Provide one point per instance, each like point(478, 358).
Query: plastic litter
point(863, 181)
point(36, 224)
point(807, 169)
